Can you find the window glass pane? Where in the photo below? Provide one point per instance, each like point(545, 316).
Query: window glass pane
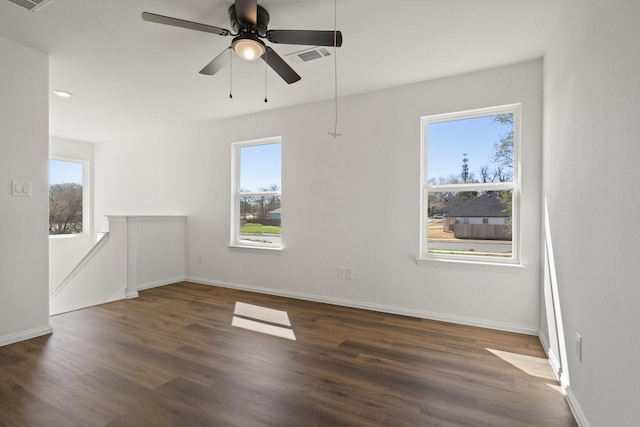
point(65, 197)
point(260, 220)
point(260, 167)
point(471, 150)
point(470, 223)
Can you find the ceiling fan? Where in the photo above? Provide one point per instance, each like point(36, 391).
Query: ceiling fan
point(250, 21)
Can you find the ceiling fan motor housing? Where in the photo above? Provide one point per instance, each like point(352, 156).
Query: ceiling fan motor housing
point(240, 27)
point(249, 22)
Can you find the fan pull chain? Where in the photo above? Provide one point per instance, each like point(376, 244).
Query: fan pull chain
point(265, 75)
point(335, 133)
point(230, 74)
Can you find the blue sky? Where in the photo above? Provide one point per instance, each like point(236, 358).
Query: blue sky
point(260, 166)
point(448, 141)
point(61, 172)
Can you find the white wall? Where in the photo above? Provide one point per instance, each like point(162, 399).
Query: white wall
point(24, 302)
point(160, 251)
point(591, 152)
point(102, 278)
point(65, 251)
point(352, 201)
point(139, 252)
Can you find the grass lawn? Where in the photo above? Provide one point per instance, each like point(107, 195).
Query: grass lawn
point(434, 230)
point(259, 229)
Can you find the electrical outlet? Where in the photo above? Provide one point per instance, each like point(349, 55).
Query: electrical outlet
point(579, 346)
point(199, 258)
point(341, 272)
point(348, 273)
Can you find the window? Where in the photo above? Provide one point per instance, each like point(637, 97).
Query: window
point(256, 216)
point(67, 197)
point(470, 185)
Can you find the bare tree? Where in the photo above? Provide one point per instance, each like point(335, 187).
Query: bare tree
point(503, 154)
point(65, 208)
point(503, 150)
point(485, 174)
point(246, 205)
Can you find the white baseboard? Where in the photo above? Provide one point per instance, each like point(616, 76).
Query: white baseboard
point(576, 409)
point(551, 356)
point(25, 335)
point(374, 307)
point(131, 295)
point(158, 283)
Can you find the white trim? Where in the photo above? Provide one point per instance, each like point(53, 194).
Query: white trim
point(469, 321)
point(234, 231)
point(576, 409)
point(159, 283)
point(474, 186)
point(551, 356)
point(66, 236)
point(260, 193)
point(514, 185)
point(555, 364)
point(248, 248)
point(83, 262)
point(25, 335)
point(504, 265)
point(146, 218)
point(132, 256)
point(117, 296)
point(473, 113)
point(547, 250)
point(87, 194)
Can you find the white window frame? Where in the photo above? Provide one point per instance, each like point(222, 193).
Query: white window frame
point(236, 194)
point(87, 223)
point(424, 258)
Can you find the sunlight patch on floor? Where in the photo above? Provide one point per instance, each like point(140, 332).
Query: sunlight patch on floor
point(534, 366)
point(265, 320)
point(262, 313)
point(556, 387)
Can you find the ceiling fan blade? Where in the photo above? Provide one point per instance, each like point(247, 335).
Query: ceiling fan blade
point(218, 63)
point(308, 37)
point(247, 11)
point(280, 66)
point(160, 19)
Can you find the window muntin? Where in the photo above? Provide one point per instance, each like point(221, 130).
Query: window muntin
point(257, 199)
point(67, 197)
point(470, 185)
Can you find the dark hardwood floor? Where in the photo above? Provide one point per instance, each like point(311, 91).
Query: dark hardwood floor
point(172, 358)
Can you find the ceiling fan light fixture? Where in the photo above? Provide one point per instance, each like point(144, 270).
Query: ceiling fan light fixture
point(248, 48)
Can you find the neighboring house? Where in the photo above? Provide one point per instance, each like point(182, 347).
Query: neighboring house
point(452, 205)
point(481, 217)
point(274, 214)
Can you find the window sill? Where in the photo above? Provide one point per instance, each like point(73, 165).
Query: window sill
point(471, 265)
point(256, 249)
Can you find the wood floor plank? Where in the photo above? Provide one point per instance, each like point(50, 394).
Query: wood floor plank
point(172, 358)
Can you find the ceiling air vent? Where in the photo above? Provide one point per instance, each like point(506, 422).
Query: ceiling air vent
point(31, 5)
point(308, 55)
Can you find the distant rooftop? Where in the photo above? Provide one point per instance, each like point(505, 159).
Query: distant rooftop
point(487, 205)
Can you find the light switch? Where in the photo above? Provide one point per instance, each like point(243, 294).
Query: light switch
point(20, 188)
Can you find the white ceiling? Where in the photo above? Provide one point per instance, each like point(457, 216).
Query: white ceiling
point(129, 76)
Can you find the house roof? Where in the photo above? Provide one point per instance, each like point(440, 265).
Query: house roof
point(275, 211)
point(487, 205)
point(453, 204)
